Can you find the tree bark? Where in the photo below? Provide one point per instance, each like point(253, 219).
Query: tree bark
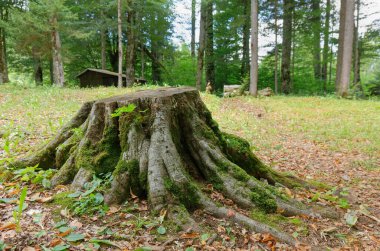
point(202, 41)
point(357, 78)
point(254, 48)
point(246, 26)
point(3, 48)
point(286, 47)
point(276, 47)
point(120, 46)
point(131, 45)
point(166, 149)
point(326, 34)
point(345, 49)
point(316, 23)
point(209, 50)
point(58, 73)
point(103, 42)
point(37, 68)
point(193, 21)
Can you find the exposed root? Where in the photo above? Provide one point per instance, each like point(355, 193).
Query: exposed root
point(222, 212)
point(166, 150)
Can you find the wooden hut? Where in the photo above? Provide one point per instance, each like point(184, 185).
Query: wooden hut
point(96, 77)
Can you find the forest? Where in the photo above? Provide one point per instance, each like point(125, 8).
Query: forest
point(189, 125)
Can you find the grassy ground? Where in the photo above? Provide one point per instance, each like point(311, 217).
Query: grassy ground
point(337, 141)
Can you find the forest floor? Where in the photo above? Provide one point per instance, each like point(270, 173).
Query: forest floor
point(336, 142)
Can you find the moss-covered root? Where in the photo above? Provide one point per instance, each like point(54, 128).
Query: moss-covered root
point(45, 156)
point(225, 213)
point(238, 151)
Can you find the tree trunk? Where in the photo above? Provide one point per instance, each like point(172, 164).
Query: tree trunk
point(286, 47)
point(201, 48)
point(130, 56)
point(37, 69)
point(316, 23)
point(357, 55)
point(246, 26)
point(326, 34)
point(58, 73)
point(346, 38)
point(209, 51)
point(193, 20)
point(276, 47)
point(103, 42)
point(120, 46)
point(166, 148)
point(254, 48)
point(3, 48)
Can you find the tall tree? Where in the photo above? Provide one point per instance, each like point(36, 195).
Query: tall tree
point(58, 73)
point(345, 48)
point(193, 21)
point(209, 50)
point(316, 25)
point(130, 57)
point(4, 12)
point(326, 34)
point(202, 40)
point(246, 35)
point(120, 46)
point(254, 48)
point(286, 46)
point(276, 46)
point(103, 42)
point(357, 49)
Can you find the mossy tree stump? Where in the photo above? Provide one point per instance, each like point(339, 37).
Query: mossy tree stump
point(167, 149)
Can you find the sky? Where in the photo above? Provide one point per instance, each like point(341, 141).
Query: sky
point(370, 8)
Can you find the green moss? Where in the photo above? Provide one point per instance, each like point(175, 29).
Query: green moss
point(187, 195)
point(101, 157)
point(5, 175)
point(263, 200)
point(62, 200)
point(273, 220)
point(143, 179)
point(133, 169)
point(319, 184)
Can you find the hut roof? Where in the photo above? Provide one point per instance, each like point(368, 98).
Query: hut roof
point(99, 71)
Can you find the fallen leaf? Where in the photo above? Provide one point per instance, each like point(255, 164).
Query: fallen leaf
point(230, 213)
point(192, 235)
point(55, 242)
point(8, 225)
point(65, 213)
point(113, 210)
point(28, 249)
point(45, 199)
point(75, 224)
point(67, 232)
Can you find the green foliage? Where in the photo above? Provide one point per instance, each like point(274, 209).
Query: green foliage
point(34, 175)
point(125, 109)
point(91, 200)
point(17, 214)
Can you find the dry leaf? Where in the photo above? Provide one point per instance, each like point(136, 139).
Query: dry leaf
point(8, 225)
point(66, 233)
point(55, 242)
point(28, 249)
point(76, 224)
point(192, 235)
point(113, 210)
point(44, 200)
point(230, 213)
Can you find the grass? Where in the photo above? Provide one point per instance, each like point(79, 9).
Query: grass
point(30, 115)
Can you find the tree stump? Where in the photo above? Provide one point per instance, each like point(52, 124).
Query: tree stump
point(164, 145)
